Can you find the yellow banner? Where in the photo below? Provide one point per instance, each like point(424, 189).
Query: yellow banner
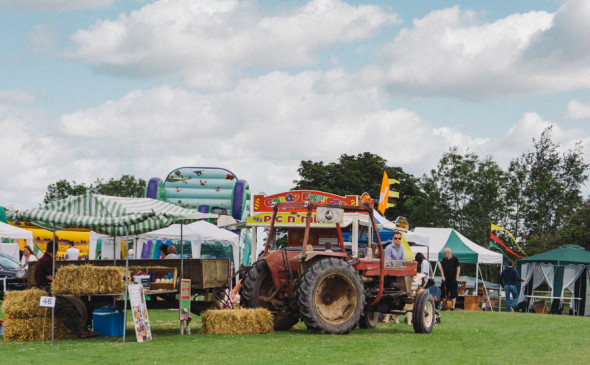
point(286, 219)
point(408, 254)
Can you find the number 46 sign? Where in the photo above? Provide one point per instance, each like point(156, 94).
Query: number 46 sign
point(47, 302)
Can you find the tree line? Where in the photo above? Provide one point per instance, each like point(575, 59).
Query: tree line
point(538, 197)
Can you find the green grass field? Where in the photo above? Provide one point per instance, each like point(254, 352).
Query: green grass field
point(462, 337)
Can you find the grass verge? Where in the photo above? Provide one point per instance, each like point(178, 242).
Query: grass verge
point(462, 337)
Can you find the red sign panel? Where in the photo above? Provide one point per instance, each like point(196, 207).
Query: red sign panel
point(264, 203)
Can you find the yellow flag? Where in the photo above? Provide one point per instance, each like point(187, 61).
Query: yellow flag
point(383, 194)
point(498, 228)
point(408, 254)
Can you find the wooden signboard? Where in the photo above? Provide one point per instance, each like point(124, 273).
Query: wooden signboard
point(139, 312)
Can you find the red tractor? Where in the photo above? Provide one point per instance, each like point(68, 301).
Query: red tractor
point(330, 291)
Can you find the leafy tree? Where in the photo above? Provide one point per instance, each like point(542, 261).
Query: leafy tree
point(126, 186)
point(577, 227)
point(427, 206)
point(485, 203)
point(63, 189)
point(463, 192)
point(354, 175)
point(550, 192)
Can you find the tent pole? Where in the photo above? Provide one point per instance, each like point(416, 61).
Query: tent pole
point(487, 293)
point(181, 254)
point(126, 281)
point(355, 237)
point(476, 276)
point(114, 249)
point(53, 277)
point(125, 296)
point(254, 245)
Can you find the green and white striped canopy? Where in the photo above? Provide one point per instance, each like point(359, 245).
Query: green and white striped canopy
point(108, 214)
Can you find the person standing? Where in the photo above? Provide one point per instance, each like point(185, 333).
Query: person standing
point(508, 279)
point(44, 267)
point(423, 265)
point(28, 256)
point(451, 270)
point(395, 250)
point(72, 253)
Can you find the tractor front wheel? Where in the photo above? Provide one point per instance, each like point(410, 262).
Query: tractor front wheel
point(331, 297)
point(423, 313)
point(256, 284)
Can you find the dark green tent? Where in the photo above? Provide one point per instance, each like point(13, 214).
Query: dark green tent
point(560, 258)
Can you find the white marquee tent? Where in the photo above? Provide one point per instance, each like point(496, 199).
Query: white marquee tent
point(13, 233)
point(466, 250)
point(197, 233)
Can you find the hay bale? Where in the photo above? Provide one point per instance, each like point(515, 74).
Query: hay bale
point(32, 329)
point(25, 304)
point(237, 321)
point(88, 279)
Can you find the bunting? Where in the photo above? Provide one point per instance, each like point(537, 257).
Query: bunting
point(498, 241)
point(498, 228)
point(493, 245)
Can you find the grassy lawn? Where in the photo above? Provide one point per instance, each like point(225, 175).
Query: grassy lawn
point(462, 337)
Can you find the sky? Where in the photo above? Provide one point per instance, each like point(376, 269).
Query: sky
point(100, 88)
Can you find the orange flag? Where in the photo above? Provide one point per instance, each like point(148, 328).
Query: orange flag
point(383, 194)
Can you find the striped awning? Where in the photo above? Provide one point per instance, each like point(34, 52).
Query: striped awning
point(108, 214)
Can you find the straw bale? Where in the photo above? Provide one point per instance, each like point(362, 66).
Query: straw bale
point(237, 321)
point(32, 329)
point(88, 279)
point(25, 304)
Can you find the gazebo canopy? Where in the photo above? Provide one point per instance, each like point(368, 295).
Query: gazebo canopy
point(566, 254)
point(108, 214)
point(566, 267)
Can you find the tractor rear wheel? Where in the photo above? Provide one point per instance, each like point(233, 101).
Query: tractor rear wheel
point(257, 282)
point(423, 313)
point(331, 297)
point(369, 320)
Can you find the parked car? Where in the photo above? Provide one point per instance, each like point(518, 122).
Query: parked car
point(9, 267)
point(10, 275)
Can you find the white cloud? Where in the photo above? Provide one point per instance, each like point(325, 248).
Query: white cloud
point(519, 139)
point(577, 110)
point(51, 6)
point(261, 130)
point(42, 40)
point(207, 42)
point(17, 96)
point(452, 52)
point(28, 157)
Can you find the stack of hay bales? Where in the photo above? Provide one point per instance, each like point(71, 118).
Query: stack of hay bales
point(237, 321)
point(88, 280)
point(28, 320)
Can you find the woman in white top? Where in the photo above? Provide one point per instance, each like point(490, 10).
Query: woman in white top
point(423, 265)
point(28, 256)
